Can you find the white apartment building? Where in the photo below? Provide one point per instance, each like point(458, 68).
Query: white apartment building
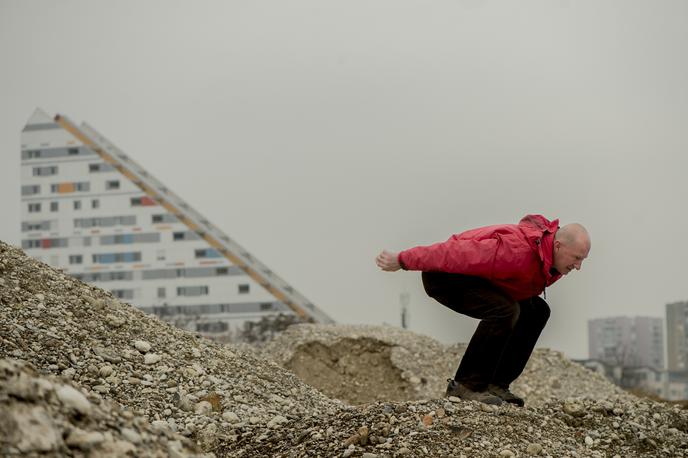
point(677, 336)
point(627, 341)
point(99, 217)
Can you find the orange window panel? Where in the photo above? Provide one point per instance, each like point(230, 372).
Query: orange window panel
point(65, 187)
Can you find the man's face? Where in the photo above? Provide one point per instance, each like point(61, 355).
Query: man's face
point(569, 255)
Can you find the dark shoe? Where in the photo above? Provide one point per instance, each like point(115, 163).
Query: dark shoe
point(459, 390)
point(505, 394)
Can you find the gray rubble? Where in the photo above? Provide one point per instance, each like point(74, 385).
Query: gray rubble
point(83, 374)
point(364, 363)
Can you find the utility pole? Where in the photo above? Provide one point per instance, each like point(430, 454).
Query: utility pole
point(404, 299)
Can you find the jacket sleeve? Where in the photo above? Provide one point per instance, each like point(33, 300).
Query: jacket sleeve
point(461, 256)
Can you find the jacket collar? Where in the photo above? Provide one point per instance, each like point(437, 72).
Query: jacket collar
point(539, 232)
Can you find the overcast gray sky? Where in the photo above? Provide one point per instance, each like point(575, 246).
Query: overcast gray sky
point(316, 132)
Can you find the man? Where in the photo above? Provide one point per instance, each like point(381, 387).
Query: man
point(496, 274)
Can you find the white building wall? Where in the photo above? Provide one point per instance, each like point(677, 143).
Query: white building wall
point(234, 290)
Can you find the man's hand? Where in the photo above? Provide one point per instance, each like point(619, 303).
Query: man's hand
point(388, 261)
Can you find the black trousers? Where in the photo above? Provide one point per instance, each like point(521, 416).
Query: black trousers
point(506, 335)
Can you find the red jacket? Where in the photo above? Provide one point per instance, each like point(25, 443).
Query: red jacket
point(515, 257)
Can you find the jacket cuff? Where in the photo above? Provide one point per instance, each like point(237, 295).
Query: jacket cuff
point(401, 262)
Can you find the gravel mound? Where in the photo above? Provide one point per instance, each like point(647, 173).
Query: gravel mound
point(360, 364)
point(82, 374)
point(111, 350)
point(51, 416)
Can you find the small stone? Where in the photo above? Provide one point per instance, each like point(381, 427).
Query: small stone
point(506, 453)
point(73, 399)
point(363, 435)
point(454, 399)
point(231, 417)
point(534, 449)
point(487, 407)
point(277, 421)
point(151, 358)
point(588, 441)
point(574, 409)
point(84, 440)
point(105, 371)
point(352, 440)
point(427, 420)
point(414, 380)
point(101, 389)
point(160, 424)
point(142, 346)
point(403, 451)
point(203, 408)
point(131, 435)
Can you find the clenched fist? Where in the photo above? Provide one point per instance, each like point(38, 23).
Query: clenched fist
point(388, 261)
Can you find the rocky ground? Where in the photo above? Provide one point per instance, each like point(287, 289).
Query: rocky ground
point(360, 364)
point(82, 374)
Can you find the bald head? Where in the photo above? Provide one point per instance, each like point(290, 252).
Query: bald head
point(573, 234)
point(571, 247)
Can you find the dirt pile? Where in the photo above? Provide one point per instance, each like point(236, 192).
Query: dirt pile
point(163, 375)
point(145, 379)
point(360, 364)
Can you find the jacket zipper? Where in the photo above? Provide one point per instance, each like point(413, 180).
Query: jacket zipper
point(544, 287)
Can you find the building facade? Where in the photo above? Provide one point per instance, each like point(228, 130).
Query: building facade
point(627, 341)
point(84, 215)
point(677, 336)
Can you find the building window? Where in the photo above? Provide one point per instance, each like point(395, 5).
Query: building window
point(105, 221)
point(265, 306)
point(244, 288)
point(31, 154)
point(165, 218)
point(44, 171)
point(112, 184)
point(26, 244)
point(162, 292)
point(76, 259)
point(36, 226)
point(103, 167)
point(73, 151)
point(95, 203)
point(207, 253)
point(109, 258)
point(77, 205)
point(160, 255)
point(82, 186)
point(30, 190)
point(192, 291)
point(34, 208)
point(123, 293)
point(54, 206)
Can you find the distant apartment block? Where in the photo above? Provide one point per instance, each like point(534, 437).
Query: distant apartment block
point(90, 210)
point(627, 341)
point(672, 386)
point(677, 336)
